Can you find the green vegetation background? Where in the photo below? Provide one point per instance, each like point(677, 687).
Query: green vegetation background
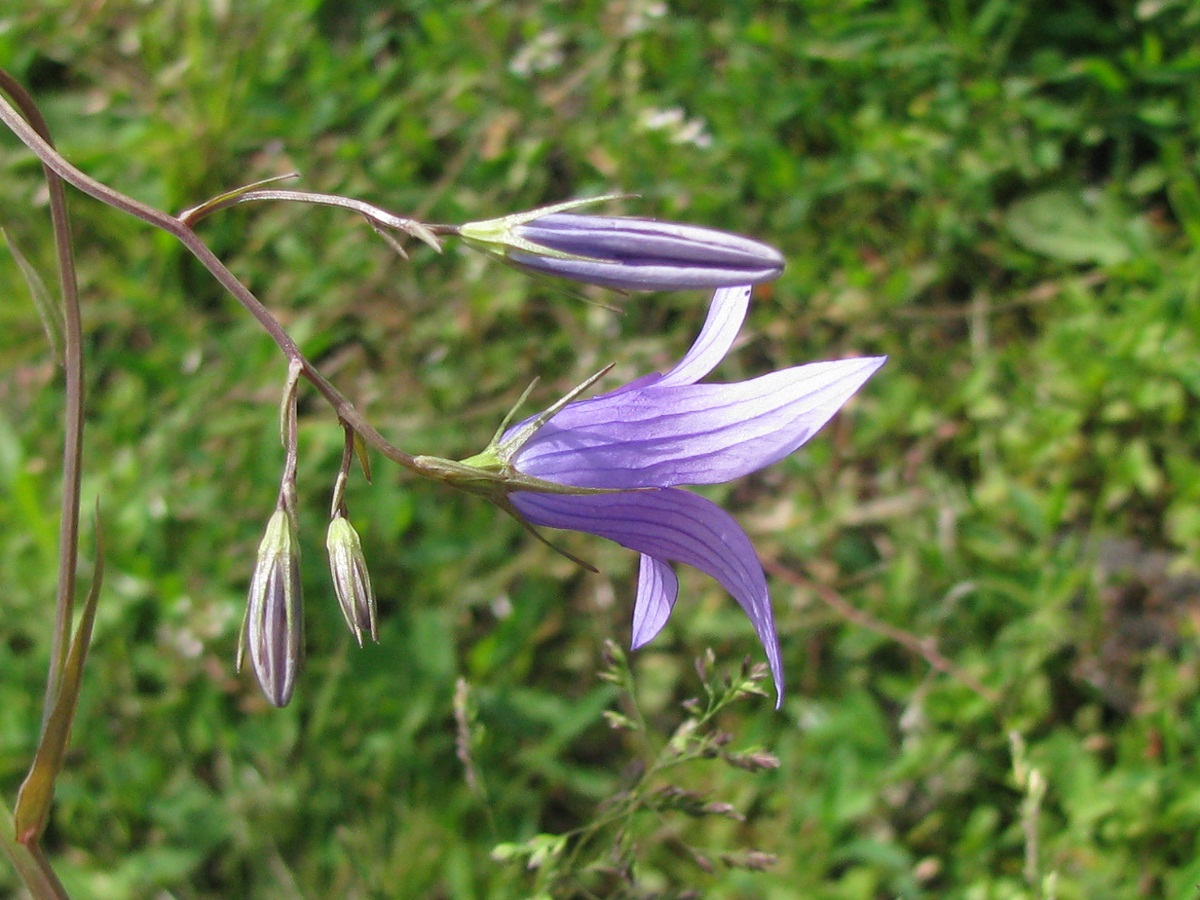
point(1002, 196)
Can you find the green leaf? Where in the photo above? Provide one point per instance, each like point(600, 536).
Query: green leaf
point(37, 792)
point(1183, 192)
point(1063, 225)
point(229, 198)
point(49, 310)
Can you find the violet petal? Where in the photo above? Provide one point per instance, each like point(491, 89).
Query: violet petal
point(645, 275)
point(691, 434)
point(676, 526)
point(657, 591)
point(637, 239)
point(726, 314)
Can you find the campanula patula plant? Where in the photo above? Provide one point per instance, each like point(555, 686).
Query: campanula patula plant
point(610, 465)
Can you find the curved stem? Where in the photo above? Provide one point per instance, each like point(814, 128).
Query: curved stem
point(68, 524)
point(371, 213)
point(289, 433)
point(338, 503)
point(186, 236)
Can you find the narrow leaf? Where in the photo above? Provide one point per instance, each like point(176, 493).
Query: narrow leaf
point(49, 310)
point(229, 198)
point(1183, 191)
point(360, 450)
point(391, 241)
point(37, 792)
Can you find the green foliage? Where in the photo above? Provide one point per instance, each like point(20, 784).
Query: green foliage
point(601, 857)
point(998, 537)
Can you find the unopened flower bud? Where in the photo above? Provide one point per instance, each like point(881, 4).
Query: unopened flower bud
point(274, 625)
point(625, 253)
point(351, 581)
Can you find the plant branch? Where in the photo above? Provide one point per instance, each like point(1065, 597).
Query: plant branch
point(373, 214)
point(926, 648)
point(185, 235)
point(68, 525)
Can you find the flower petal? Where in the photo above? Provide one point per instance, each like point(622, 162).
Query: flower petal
point(659, 436)
point(726, 313)
point(725, 316)
point(657, 590)
point(636, 239)
point(643, 275)
point(670, 525)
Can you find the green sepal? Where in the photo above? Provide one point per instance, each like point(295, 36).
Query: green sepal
point(497, 235)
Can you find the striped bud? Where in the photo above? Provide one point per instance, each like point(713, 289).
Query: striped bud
point(625, 253)
point(274, 624)
point(351, 580)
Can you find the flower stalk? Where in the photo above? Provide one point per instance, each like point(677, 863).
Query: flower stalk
point(273, 628)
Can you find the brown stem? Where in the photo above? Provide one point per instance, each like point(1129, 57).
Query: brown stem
point(925, 648)
point(68, 524)
point(373, 214)
point(338, 504)
point(186, 236)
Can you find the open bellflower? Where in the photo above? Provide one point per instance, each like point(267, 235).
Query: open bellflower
point(643, 440)
point(624, 252)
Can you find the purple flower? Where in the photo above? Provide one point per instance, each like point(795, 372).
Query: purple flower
point(659, 431)
point(273, 628)
point(644, 254)
point(622, 252)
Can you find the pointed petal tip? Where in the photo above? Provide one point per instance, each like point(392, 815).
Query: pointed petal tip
point(657, 590)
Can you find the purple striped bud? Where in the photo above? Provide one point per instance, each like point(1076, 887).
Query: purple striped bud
point(274, 626)
point(351, 581)
point(625, 253)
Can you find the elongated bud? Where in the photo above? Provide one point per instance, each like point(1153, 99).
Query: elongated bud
point(625, 253)
point(274, 625)
point(351, 580)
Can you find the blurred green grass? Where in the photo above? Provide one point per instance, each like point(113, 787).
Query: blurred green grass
point(1001, 196)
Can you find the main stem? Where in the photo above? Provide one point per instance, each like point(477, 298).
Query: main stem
point(68, 524)
point(30, 862)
